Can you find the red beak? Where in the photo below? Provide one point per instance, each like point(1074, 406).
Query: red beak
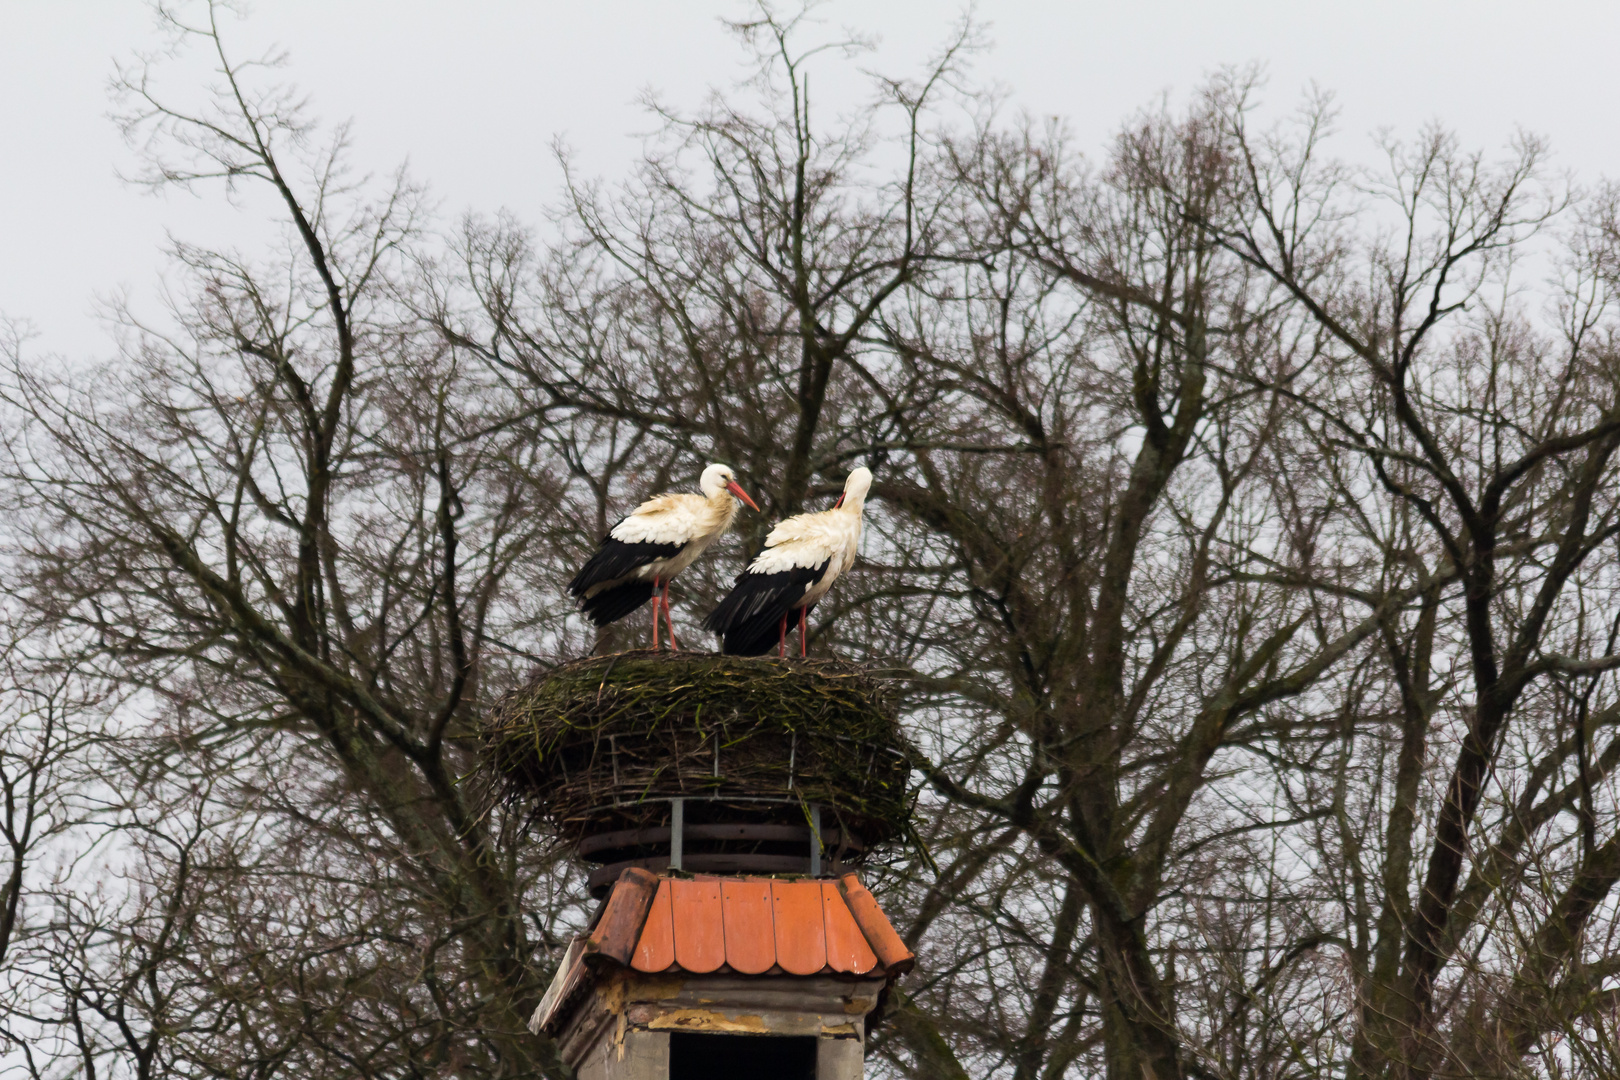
point(736, 489)
point(839, 503)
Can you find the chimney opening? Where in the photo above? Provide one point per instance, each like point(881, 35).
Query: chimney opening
point(703, 1056)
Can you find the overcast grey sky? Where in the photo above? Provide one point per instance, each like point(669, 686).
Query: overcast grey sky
point(472, 93)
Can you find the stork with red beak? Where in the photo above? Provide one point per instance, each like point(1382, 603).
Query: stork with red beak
point(803, 556)
point(659, 539)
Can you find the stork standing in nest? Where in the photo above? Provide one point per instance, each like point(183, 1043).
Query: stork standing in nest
point(803, 556)
point(656, 541)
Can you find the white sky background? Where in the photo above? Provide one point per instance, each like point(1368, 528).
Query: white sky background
point(473, 92)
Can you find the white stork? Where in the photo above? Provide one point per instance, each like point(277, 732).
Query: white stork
point(803, 556)
point(656, 541)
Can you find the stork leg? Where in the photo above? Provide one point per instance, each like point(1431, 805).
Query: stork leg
point(655, 613)
point(781, 642)
point(803, 647)
point(669, 619)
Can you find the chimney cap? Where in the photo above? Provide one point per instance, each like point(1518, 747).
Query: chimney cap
point(749, 926)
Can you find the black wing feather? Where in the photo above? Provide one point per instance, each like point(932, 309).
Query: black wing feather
point(616, 560)
point(758, 637)
point(606, 571)
point(611, 605)
point(749, 619)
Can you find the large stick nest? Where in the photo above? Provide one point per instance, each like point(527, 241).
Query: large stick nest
point(605, 741)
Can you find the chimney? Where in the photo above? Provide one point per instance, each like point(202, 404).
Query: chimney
point(725, 804)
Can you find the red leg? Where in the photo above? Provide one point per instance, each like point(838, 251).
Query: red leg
point(655, 613)
point(781, 642)
point(803, 648)
point(669, 620)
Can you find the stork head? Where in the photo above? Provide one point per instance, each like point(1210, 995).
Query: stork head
point(720, 478)
point(858, 483)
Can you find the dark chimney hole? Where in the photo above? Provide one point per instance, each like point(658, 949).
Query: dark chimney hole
point(700, 1056)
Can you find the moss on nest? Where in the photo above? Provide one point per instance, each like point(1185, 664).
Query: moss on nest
point(603, 742)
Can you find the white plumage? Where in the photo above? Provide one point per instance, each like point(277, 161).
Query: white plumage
point(653, 543)
point(803, 556)
point(691, 522)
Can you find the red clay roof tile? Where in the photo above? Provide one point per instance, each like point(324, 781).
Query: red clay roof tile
point(750, 928)
point(623, 916)
point(656, 949)
point(700, 938)
point(847, 949)
point(886, 944)
point(801, 936)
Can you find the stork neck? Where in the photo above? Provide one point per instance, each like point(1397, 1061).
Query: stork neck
point(723, 506)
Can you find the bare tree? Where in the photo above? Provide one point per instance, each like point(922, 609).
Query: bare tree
point(50, 747)
point(1478, 434)
point(280, 518)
